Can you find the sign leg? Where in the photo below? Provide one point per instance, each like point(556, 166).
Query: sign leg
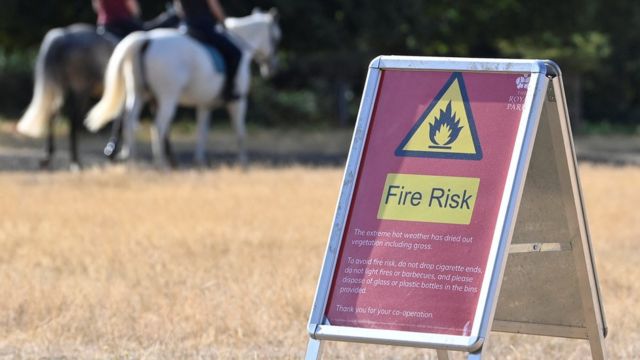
point(443, 354)
point(597, 347)
point(475, 355)
point(314, 350)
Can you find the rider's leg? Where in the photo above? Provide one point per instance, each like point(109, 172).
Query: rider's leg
point(232, 56)
point(229, 51)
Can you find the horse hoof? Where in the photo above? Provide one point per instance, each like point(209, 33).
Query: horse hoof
point(45, 164)
point(243, 160)
point(123, 155)
point(163, 165)
point(202, 163)
point(110, 150)
point(75, 167)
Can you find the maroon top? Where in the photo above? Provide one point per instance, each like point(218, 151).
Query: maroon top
point(110, 11)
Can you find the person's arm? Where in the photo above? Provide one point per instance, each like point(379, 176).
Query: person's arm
point(178, 6)
point(133, 7)
point(95, 5)
point(217, 10)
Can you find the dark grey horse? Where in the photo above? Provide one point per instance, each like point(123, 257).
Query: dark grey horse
point(70, 68)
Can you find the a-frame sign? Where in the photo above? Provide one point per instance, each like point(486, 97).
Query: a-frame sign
point(460, 212)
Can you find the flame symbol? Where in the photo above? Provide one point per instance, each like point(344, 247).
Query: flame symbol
point(445, 129)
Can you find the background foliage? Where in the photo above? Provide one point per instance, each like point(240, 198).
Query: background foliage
point(327, 45)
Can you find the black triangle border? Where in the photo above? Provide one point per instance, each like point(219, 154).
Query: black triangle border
point(472, 127)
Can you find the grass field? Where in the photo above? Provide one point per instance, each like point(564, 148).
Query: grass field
point(120, 263)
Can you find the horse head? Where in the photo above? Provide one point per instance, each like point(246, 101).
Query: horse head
point(266, 55)
point(260, 34)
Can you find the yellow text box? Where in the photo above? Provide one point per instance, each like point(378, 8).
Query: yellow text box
point(426, 198)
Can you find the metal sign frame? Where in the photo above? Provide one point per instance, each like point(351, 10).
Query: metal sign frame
point(542, 74)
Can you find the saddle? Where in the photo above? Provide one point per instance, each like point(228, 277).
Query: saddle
point(216, 57)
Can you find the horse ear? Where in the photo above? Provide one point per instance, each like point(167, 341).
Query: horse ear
point(274, 13)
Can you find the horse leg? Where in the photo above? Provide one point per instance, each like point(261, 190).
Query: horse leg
point(168, 148)
point(203, 118)
point(131, 117)
point(168, 152)
point(238, 110)
point(79, 106)
point(160, 131)
point(50, 147)
point(112, 147)
point(73, 145)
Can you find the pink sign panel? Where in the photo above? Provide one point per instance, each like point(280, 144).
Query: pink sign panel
point(424, 209)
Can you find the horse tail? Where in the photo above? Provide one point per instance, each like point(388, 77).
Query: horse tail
point(114, 96)
point(47, 90)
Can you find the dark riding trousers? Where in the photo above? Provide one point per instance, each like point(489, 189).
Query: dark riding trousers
point(201, 25)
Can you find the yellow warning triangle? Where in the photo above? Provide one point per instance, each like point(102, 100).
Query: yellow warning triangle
point(446, 129)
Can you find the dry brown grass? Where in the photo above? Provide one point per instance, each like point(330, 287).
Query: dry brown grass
point(115, 263)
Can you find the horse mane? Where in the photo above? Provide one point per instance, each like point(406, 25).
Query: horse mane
point(248, 20)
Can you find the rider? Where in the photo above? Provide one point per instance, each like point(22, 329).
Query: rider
point(118, 17)
point(201, 17)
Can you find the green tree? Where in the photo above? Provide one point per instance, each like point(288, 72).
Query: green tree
point(327, 45)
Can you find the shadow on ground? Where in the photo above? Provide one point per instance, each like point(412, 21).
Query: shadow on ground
point(611, 149)
point(266, 147)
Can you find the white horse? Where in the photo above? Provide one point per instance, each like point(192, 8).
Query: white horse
point(176, 69)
